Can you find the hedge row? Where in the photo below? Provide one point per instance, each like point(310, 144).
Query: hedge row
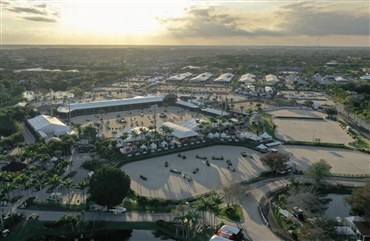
point(299, 117)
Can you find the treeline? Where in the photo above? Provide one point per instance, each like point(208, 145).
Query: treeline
point(357, 103)
point(11, 128)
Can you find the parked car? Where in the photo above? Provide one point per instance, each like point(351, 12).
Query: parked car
point(117, 210)
point(175, 171)
point(55, 195)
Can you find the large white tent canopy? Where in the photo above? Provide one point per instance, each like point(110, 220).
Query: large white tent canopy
point(48, 125)
point(179, 131)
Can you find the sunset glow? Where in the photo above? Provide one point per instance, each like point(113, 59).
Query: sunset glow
point(186, 22)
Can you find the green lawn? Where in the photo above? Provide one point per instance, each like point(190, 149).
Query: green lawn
point(236, 215)
point(269, 125)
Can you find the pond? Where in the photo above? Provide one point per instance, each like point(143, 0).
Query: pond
point(337, 207)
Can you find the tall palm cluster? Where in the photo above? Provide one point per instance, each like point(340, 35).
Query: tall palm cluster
point(190, 219)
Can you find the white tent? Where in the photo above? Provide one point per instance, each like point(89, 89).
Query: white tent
point(153, 146)
point(262, 147)
point(223, 135)
point(265, 136)
point(179, 131)
point(217, 135)
point(49, 125)
point(164, 144)
point(210, 136)
point(144, 147)
point(173, 142)
point(245, 135)
point(255, 138)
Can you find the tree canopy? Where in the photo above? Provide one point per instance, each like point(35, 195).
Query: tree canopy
point(360, 200)
point(275, 161)
point(319, 171)
point(109, 186)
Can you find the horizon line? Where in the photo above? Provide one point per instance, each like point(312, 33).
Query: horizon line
point(186, 45)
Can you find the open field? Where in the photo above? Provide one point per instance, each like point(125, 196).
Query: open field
point(162, 183)
point(307, 130)
point(342, 161)
point(310, 130)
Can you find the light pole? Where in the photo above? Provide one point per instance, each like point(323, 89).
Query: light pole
point(313, 135)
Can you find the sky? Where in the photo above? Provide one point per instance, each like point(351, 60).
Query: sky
point(184, 22)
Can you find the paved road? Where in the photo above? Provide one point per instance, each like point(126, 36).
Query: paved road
point(253, 223)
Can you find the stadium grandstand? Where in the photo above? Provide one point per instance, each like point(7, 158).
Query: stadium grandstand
point(90, 108)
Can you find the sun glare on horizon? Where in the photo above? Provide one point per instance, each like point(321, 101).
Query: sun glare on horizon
point(118, 18)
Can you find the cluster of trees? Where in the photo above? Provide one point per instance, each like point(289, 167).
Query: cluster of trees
point(11, 127)
point(358, 105)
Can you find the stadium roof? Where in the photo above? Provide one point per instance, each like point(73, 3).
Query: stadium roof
point(215, 112)
point(179, 131)
point(187, 104)
point(247, 78)
point(91, 105)
point(224, 78)
point(42, 121)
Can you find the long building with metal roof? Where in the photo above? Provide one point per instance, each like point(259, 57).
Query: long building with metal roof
point(89, 108)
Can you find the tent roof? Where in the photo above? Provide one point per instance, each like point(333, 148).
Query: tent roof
point(190, 124)
point(216, 112)
point(255, 138)
point(187, 104)
point(179, 131)
point(262, 146)
point(265, 136)
point(42, 121)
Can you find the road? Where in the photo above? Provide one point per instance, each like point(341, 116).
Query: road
point(254, 223)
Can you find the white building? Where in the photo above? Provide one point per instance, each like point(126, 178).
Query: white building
point(224, 78)
point(180, 77)
point(202, 77)
point(271, 79)
point(247, 78)
point(47, 126)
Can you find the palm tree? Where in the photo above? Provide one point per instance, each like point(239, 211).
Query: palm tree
point(7, 188)
point(294, 183)
point(21, 180)
point(134, 135)
point(40, 179)
point(82, 186)
point(241, 109)
point(68, 183)
point(54, 183)
point(216, 201)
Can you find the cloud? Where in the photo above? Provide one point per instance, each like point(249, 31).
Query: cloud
point(27, 10)
point(322, 20)
point(33, 12)
point(293, 19)
point(210, 22)
point(41, 19)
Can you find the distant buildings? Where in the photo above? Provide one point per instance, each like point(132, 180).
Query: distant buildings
point(224, 78)
point(202, 77)
point(271, 79)
point(247, 78)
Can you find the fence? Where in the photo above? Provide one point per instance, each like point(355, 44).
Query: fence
point(350, 175)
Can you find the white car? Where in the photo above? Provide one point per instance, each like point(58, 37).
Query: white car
point(55, 195)
point(117, 210)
